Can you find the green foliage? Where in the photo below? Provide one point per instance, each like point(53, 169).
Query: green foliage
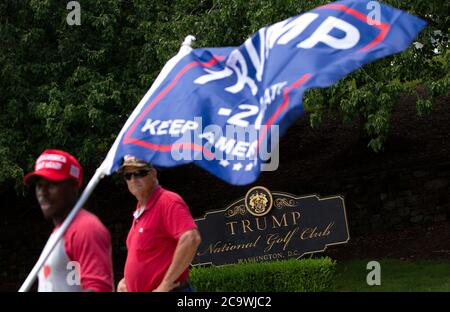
point(73, 87)
point(288, 275)
point(396, 276)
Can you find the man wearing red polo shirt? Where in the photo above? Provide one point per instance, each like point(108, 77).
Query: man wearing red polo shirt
point(81, 260)
point(163, 237)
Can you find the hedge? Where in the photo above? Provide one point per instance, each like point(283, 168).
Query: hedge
point(277, 276)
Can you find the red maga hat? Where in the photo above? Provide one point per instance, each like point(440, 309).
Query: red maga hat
point(56, 165)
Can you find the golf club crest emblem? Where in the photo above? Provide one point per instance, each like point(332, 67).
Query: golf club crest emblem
point(258, 201)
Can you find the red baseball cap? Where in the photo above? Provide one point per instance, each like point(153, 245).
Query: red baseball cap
point(56, 165)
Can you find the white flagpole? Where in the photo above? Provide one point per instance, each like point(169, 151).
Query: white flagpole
point(184, 50)
point(103, 170)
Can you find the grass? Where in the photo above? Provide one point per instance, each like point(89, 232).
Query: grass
point(396, 275)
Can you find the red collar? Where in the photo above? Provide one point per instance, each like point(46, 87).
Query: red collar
point(155, 195)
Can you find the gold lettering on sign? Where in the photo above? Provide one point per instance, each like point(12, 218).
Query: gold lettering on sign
point(313, 232)
point(268, 257)
point(295, 217)
point(246, 225)
point(258, 226)
point(275, 221)
point(273, 239)
point(294, 253)
point(231, 224)
point(262, 223)
point(220, 247)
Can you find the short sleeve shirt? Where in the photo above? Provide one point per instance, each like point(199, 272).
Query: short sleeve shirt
point(81, 260)
point(153, 238)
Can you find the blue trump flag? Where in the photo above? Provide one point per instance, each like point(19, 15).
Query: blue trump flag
point(225, 108)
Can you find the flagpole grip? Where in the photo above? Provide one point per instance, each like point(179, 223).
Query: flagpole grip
point(51, 243)
point(188, 40)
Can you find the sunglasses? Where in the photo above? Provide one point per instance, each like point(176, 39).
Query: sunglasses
point(137, 174)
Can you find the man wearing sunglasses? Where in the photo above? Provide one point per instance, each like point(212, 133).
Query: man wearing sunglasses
point(163, 238)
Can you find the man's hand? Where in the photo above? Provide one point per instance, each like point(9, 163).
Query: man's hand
point(122, 287)
point(183, 255)
point(166, 286)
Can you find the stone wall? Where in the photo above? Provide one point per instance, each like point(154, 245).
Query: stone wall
point(394, 199)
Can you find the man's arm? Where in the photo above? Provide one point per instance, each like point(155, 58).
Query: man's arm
point(90, 246)
point(184, 253)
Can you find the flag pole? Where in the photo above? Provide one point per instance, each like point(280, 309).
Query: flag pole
point(184, 50)
point(103, 170)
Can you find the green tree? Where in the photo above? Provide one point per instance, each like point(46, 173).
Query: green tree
point(73, 87)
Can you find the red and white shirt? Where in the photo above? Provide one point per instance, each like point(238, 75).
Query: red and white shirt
point(81, 260)
point(153, 238)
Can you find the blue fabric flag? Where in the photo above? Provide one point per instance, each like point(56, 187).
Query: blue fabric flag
point(225, 108)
